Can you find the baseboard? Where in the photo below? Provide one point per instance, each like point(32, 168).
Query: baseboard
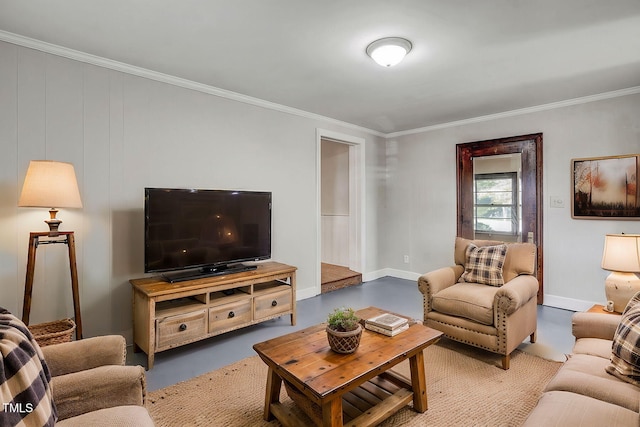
point(390, 272)
point(373, 275)
point(568, 303)
point(305, 293)
point(402, 274)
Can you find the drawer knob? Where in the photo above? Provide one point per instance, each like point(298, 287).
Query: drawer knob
point(183, 327)
point(231, 314)
point(274, 303)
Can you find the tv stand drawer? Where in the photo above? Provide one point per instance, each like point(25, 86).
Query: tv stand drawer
point(181, 328)
point(273, 304)
point(229, 315)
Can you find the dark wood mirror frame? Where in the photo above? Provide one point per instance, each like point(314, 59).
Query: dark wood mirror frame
point(530, 147)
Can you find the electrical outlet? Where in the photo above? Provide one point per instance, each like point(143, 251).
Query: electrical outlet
point(406, 259)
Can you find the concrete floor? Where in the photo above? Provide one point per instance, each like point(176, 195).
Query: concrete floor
point(401, 296)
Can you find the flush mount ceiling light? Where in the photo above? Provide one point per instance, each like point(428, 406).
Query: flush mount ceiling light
point(389, 51)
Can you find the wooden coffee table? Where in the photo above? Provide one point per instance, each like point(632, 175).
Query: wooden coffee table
point(357, 388)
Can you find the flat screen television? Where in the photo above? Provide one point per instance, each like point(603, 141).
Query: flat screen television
point(190, 233)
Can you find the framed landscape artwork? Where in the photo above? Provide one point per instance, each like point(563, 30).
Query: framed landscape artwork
point(606, 187)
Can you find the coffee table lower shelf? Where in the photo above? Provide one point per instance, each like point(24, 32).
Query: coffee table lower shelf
point(369, 404)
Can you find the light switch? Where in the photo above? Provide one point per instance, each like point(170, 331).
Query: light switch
point(557, 202)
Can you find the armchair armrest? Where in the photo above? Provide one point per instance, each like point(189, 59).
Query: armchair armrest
point(594, 325)
point(99, 388)
point(516, 293)
point(433, 282)
point(85, 354)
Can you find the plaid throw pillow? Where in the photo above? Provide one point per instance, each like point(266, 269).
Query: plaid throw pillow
point(484, 265)
point(625, 350)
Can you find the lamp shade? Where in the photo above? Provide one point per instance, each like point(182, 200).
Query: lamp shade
point(50, 184)
point(621, 253)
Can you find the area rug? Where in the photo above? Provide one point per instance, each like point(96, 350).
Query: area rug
point(465, 387)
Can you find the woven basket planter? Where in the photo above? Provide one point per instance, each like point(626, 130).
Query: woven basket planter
point(344, 342)
point(55, 332)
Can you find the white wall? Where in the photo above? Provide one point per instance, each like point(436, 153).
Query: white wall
point(421, 192)
point(123, 133)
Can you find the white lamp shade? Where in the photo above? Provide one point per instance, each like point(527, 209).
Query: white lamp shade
point(389, 51)
point(621, 253)
point(50, 184)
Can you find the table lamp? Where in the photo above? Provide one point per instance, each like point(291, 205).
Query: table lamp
point(50, 184)
point(621, 256)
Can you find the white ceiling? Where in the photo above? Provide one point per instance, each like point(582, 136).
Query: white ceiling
point(470, 58)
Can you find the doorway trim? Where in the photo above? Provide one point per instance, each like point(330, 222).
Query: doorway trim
point(356, 200)
point(530, 146)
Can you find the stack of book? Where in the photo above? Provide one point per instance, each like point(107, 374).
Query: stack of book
point(387, 324)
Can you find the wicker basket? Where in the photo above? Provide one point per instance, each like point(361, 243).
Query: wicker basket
point(344, 342)
point(55, 332)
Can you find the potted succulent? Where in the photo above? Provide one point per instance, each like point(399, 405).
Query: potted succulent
point(343, 330)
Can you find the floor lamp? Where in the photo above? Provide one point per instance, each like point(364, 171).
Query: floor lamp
point(50, 184)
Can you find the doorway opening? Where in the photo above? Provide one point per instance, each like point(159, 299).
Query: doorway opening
point(340, 192)
point(493, 206)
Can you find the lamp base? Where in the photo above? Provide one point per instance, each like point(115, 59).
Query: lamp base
point(620, 288)
point(53, 222)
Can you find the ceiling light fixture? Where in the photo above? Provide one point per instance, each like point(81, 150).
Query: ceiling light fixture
point(389, 51)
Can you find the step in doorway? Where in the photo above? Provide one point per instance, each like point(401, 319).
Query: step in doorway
point(337, 277)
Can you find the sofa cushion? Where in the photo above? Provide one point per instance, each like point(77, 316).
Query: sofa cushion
point(484, 264)
point(76, 393)
point(584, 374)
point(594, 347)
point(469, 300)
point(559, 408)
point(625, 351)
point(119, 416)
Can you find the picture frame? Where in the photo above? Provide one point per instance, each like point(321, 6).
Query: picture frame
point(606, 187)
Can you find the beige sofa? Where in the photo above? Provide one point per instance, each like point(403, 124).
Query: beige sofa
point(582, 393)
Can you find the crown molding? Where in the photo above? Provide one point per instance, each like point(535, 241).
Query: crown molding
point(528, 110)
point(212, 90)
point(168, 79)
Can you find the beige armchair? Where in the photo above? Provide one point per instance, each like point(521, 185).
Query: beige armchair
point(93, 387)
point(78, 383)
point(495, 318)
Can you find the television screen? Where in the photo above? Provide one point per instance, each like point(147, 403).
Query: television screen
point(206, 229)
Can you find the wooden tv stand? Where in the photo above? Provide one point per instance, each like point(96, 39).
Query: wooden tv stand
point(168, 315)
